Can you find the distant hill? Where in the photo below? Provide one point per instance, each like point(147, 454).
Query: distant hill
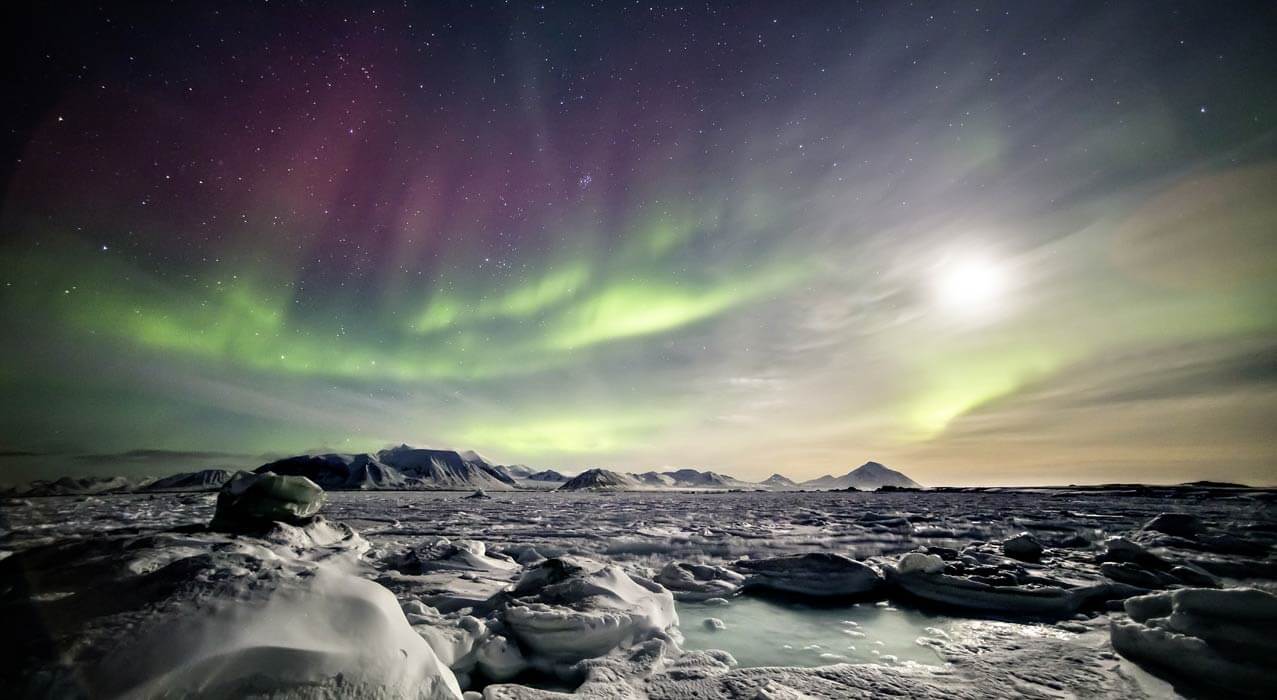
point(866, 477)
point(547, 475)
point(203, 480)
point(778, 482)
point(653, 479)
point(1216, 484)
point(691, 478)
point(599, 480)
point(520, 471)
point(87, 485)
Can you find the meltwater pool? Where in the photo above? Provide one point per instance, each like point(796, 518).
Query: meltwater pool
point(765, 632)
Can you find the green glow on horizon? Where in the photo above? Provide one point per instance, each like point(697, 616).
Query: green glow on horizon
point(591, 431)
point(958, 384)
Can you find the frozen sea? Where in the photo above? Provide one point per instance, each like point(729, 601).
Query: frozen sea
point(827, 647)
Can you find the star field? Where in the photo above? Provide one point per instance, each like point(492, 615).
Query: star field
point(985, 242)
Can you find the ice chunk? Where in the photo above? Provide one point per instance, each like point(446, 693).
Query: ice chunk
point(443, 554)
point(819, 574)
point(917, 561)
point(698, 581)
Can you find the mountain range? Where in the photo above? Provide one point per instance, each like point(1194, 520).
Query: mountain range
point(412, 468)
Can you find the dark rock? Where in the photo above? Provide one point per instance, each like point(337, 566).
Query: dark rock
point(1131, 574)
point(1024, 547)
point(254, 501)
point(1074, 542)
point(945, 553)
point(1194, 577)
point(1177, 524)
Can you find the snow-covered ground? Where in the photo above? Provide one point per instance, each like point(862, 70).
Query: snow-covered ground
point(530, 594)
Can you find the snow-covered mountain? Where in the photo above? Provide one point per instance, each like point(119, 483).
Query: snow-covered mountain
point(653, 479)
point(341, 471)
point(778, 482)
point(203, 480)
point(691, 478)
point(400, 467)
point(86, 485)
point(866, 477)
point(410, 468)
point(599, 480)
point(445, 469)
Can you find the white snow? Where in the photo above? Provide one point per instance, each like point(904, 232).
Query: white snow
point(387, 593)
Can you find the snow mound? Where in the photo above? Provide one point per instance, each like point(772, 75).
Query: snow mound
point(330, 631)
point(201, 613)
point(1212, 640)
point(920, 563)
point(567, 609)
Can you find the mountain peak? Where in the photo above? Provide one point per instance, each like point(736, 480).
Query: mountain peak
point(867, 477)
point(597, 480)
point(871, 468)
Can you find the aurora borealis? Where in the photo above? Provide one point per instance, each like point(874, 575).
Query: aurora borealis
point(645, 235)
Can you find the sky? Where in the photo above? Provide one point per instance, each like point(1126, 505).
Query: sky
point(983, 243)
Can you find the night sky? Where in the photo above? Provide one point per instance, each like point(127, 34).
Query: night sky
point(1023, 242)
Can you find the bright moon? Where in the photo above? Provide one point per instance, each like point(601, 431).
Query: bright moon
point(970, 284)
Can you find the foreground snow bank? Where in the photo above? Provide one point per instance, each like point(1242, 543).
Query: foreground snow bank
point(1211, 639)
point(173, 614)
point(329, 632)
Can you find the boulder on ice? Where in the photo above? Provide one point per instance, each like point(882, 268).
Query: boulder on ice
point(253, 501)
